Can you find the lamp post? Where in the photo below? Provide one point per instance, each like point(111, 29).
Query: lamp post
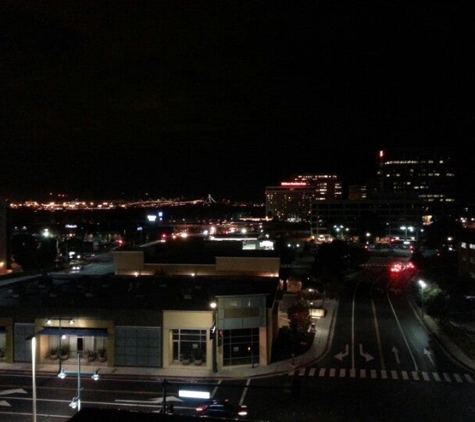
point(423, 285)
point(214, 330)
point(33, 373)
point(251, 349)
point(76, 401)
point(406, 228)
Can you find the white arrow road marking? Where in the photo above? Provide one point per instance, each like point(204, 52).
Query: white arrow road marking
point(154, 400)
point(4, 403)
point(429, 355)
point(367, 356)
point(396, 354)
point(8, 392)
point(341, 355)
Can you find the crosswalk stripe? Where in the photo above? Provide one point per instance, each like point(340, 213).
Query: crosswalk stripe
point(384, 374)
point(468, 378)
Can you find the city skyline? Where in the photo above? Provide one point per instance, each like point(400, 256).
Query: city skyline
point(170, 99)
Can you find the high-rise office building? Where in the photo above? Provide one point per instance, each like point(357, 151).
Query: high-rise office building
point(421, 174)
point(292, 200)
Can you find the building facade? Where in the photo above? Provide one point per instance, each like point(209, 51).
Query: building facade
point(292, 200)
point(466, 255)
point(425, 175)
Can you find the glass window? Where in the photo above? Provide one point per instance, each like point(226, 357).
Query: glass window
point(241, 346)
point(185, 342)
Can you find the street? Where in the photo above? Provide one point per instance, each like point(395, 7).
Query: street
point(383, 364)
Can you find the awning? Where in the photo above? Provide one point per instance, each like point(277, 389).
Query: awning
point(80, 332)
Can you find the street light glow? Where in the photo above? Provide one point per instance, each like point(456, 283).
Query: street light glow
point(423, 285)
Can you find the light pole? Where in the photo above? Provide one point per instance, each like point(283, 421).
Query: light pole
point(423, 285)
point(214, 331)
point(164, 403)
point(33, 373)
point(76, 401)
point(251, 349)
point(406, 228)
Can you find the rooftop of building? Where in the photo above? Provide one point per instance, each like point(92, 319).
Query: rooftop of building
point(128, 293)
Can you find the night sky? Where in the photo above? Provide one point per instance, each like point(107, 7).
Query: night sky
point(137, 99)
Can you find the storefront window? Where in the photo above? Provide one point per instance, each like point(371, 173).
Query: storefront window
point(241, 347)
point(186, 342)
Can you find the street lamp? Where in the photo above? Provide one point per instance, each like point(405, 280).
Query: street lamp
point(76, 401)
point(423, 285)
point(214, 332)
point(406, 228)
point(33, 373)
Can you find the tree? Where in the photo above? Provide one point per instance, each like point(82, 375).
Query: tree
point(299, 316)
point(33, 252)
point(436, 302)
point(23, 247)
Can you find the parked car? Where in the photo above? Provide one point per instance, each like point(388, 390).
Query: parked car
point(222, 409)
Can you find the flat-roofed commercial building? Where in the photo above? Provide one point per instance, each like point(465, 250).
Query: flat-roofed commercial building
point(292, 200)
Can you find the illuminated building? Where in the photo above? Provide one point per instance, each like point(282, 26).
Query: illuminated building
point(413, 188)
point(421, 174)
point(292, 200)
point(466, 255)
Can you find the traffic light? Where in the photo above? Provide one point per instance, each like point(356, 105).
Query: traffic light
point(212, 330)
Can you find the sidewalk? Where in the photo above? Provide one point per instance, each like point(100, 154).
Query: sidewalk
point(322, 340)
point(321, 343)
point(447, 344)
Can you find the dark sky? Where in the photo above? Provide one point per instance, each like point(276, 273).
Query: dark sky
point(109, 99)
